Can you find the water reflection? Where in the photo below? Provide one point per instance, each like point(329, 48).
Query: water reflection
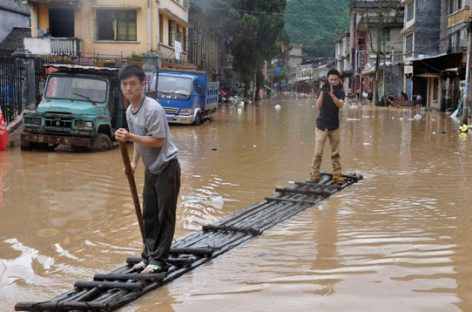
point(401, 239)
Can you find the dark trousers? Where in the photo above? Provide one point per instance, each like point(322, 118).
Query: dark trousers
point(160, 196)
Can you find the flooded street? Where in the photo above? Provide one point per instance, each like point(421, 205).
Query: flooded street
point(400, 240)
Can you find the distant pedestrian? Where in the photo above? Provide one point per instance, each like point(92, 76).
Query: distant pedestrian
point(392, 101)
point(419, 100)
point(152, 141)
point(365, 97)
point(329, 101)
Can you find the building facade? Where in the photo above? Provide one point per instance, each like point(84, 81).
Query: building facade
point(376, 43)
point(109, 28)
point(435, 47)
point(343, 60)
point(204, 42)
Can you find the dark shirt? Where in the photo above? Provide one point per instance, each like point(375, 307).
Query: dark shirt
point(329, 112)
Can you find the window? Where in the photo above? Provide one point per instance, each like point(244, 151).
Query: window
point(454, 5)
point(410, 11)
point(409, 45)
point(161, 28)
point(119, 25)
point(386, 34)
point(172, 32)
point(78, 89)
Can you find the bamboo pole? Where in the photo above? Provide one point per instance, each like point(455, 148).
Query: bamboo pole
point(132, 186)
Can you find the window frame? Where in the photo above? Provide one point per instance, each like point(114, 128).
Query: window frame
point(409, 53)
point(410, 7)
point(455, 5)
point(118, 21)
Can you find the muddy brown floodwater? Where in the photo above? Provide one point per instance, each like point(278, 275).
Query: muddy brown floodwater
point(400, 240)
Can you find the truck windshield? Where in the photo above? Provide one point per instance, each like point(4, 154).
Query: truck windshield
point(77, 88)
point(174, 87)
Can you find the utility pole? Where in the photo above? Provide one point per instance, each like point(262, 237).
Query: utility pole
point(468, 77)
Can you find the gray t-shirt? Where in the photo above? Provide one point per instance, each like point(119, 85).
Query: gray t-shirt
point(150, 119)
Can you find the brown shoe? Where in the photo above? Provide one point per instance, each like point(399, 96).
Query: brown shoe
point(338, 179)
point(315, 177)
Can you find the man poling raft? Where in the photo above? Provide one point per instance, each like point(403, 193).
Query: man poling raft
point(152, 141)
point(109, 291)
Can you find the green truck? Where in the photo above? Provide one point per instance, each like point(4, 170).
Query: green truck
point(81, 107)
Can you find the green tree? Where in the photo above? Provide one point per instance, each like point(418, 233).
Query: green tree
point(256, 27)
point(253, 29)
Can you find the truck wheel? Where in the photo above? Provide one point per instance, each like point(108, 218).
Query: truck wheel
point(102, 142)
point(198, 119)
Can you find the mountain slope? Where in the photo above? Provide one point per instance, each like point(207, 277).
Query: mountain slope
point(316, 24)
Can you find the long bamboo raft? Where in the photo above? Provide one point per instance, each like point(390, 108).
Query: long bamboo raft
point(109, 291)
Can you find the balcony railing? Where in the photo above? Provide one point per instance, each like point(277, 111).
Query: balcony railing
point(65, 46)
point(54, 46)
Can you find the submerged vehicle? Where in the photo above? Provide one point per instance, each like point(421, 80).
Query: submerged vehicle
point(81, 106)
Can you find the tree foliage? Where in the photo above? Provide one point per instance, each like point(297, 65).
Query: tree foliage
point(253, 28)
point(257, 24)
point(317, 24)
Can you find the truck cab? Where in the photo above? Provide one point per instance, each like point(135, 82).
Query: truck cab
point(186, 96)
point(81, 107)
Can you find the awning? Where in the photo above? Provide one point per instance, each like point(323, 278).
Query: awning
point(74, 4)
point(117, 7)
point(429, 75)
point(426, 67)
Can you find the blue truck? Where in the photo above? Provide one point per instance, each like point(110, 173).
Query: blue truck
point(187, 96)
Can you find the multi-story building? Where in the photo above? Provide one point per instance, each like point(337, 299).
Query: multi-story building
point(455, 16)
point(295, 58)
point(435, 36)
point(173, 28)
point(343, 59)
point(421, 42)
point(111, 28)
point(376, 42)
point(204, 42)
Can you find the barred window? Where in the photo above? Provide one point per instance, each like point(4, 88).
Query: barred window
point(409, 46)
point(455, 5)
point(117, 25)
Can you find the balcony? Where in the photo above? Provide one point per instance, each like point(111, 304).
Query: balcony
point(54, 46)
point(458, 17)
point(168, 52)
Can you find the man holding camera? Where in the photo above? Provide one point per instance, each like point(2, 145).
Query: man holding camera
point(329, 101)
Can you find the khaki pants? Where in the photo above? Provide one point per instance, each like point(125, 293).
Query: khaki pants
point(335, 141)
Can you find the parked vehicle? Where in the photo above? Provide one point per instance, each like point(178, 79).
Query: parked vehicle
point(187, 96)
point(81, 106)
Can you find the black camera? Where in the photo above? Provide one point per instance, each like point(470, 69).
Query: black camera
point(326, 87)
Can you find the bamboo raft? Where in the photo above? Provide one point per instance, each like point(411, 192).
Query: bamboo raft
point(109, 291)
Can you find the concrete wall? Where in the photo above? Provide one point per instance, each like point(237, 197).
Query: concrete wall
point(427, 27)
point(393, 80)
point(11, 16)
